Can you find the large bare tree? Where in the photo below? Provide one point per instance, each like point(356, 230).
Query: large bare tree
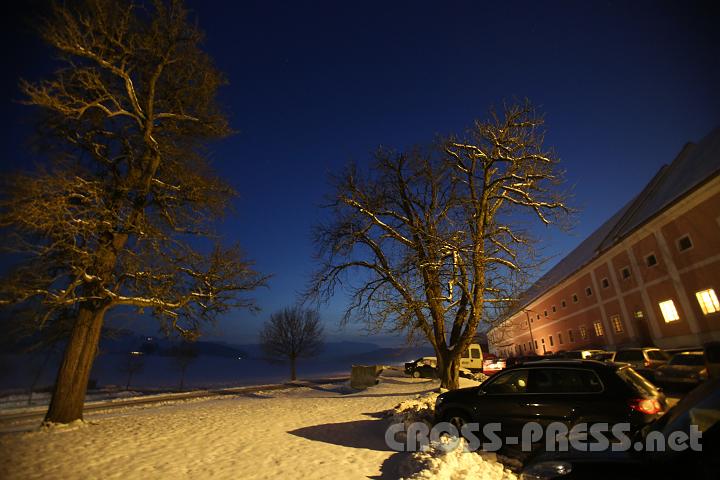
point(118, 211)
point(292, 333)
point(435, 241)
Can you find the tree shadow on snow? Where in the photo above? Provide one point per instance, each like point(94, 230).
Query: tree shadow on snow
point(368, 434)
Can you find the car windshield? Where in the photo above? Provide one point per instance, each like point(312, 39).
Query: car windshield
point(629, 356)
point(637, 381)
point(657, 355)
point(685, 359)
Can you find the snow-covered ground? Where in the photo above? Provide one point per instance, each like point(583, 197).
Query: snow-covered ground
point(314, 431)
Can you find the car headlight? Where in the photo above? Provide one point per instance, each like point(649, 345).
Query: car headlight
point(546, 470)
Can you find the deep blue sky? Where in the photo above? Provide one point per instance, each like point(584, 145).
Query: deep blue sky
point(315, 84)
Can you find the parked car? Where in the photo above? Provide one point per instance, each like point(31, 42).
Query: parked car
point(684, 368)
point(603, 356)
point(700, 407)
point(643, 360)
point(423, 367)
point(578, 354)
point(491, 366)
point(568, 391)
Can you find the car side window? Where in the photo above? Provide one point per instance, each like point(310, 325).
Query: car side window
point(509, 382)
point(576, 381)
point(563, 380)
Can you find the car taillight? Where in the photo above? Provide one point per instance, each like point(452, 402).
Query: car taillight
point(648, 406)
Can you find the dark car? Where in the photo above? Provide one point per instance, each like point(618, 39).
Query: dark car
point(683, 369)
point(643, 360)
point(701, 407)
point(578, 354)
point(567, 391)
point(423, 367)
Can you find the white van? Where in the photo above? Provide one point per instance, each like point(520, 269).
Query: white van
point(472, 358)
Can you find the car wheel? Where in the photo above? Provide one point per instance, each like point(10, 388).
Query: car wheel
point(457, 419)
point(416, 374)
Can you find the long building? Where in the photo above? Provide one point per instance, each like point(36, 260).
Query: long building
point(650, 275)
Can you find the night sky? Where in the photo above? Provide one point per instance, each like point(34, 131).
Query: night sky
point(315, 84)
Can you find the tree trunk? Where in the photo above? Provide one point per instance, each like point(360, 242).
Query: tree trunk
point(449, 372)
point(293, 375)
point(68, 396)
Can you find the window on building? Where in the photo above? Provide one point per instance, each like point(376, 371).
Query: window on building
point(535, 344)
point(563, 304)
point(560, 338)
point(669, 312)
point(588, 291)
point(542, 340)
point(575, 298)
point(570, 336)
point(638, 314)
point(625, 273)
point(599, 332)
point(616, 323)
point(605, 283)
point(684, 243)
point(545, 313)
point(708, 301)
point(551, 340)
point(538, 316)
point(583, 332)
point(651, 260)
point(554, 308)
point(530, 346)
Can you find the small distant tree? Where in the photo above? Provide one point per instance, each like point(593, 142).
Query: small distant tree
point(292, 333)
point(135, 363)
point(184, 355)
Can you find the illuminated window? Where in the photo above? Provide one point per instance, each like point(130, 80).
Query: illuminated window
point(669, 312)
point(638, 314)
point(616, 323)
point(583, 332)
point(598, 329)
point(708, 301)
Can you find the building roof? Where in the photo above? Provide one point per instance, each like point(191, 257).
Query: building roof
point(693, 166)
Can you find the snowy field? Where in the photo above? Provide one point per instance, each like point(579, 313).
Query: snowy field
point(319, 431)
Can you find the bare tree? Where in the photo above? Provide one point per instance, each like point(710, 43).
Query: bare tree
point(134, 363)
point(434, 241)
point(292, 333)
point(183, 356)
point(114, 216)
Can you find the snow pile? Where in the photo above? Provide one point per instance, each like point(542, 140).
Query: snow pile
point(418, 409)
point(480, 377)
point(442, 462)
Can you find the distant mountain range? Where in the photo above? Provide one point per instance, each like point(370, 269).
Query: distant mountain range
point(344, 351)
